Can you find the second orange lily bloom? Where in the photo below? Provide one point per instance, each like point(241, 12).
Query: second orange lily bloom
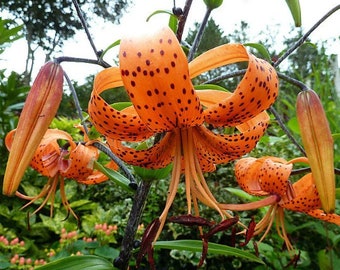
point(59, 162)
point(269, 176)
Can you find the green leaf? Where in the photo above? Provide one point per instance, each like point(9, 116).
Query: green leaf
point(107, 252)
point(115, 176)
point(196, 246)
point(212, 4)
point(294, 125)
point(295, 10)
point(114, 44)
point(337, 193)
point(324, 260)
point(83, 205)
point(152, 174)
point(159, 12)
point(261, 49)
point(173, 23)
point(242, 194)
point(210, 87)
point(121, 105)
point(88, 262)
point(336, 136)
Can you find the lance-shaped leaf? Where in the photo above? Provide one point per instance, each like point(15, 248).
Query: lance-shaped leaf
point(295, 10)
point(318, 142)
point(40, 108)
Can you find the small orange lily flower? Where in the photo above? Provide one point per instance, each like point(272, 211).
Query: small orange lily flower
point(72, 161)
point(269, 176)
point(40, 108)
point(154, 71)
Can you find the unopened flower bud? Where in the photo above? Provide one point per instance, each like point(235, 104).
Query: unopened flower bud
point(212, 4)
point(318, 143)
point(39, 110)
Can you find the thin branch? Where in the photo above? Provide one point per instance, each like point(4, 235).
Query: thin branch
point(121, 165)
point(305, 36)
point(306, 170)
point(76, 101)
point(226, 76)
point(183, 19)
point(128, 242)
point(293, 81)
point(99, 61)
point(199, 35)
point(84, 24)
point(286, 130)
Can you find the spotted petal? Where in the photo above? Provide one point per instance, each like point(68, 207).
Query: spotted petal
point(322, 215)
point(246, 172)
point(157, 156)
point(220, 148)
point(81, 160)
point(306, 196)
point(125, 124)
point(274, 174)
point(155, 73)
point(256, 92)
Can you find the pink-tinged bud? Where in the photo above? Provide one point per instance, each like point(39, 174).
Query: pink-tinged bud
point(39, 110)
point(14, 241)
point(21, 261)
point(318, 143)
point(14, 259)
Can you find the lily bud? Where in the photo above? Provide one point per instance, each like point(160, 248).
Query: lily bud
point(39, 110)
point(212, 4)
point(318, 142)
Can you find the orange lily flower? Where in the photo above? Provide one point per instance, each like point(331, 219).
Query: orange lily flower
point(72, 161)
point(155, 73)
point(269, 176)
point(38, 112)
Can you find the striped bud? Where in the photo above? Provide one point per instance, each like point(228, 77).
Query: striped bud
point(318, 142)
point(39, 110)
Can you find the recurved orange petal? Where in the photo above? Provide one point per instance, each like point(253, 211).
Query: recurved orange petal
point(256, 92)
point(322, 215)
point(80, 162)
point(155, 157)
point(217, 57)
point(247, 175)
point(96, 176)
point(211, 97)
point(220, 148)
point(306, 196)
point(123, 125)
point(155, 73)
point(274, 175)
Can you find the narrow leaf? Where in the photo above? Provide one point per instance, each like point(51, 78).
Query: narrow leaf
point(295, 10)
point(115, 176)
point(261, 49)
point(196, 246)
point(87, 262)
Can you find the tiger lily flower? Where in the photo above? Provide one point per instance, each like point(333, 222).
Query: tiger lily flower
point(40, 108)
point(72, 161)
point(269, 176)
point(155, 73)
